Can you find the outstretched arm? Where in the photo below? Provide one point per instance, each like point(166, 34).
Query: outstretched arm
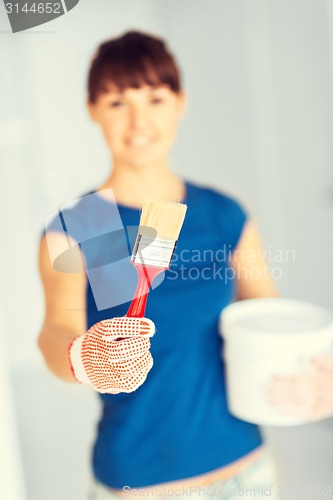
point(64, 309)
point(113, 355)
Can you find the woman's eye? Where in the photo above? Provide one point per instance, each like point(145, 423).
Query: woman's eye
point(116, 104)
point(156, 100)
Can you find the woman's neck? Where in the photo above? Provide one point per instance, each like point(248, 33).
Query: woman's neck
point(131, 186)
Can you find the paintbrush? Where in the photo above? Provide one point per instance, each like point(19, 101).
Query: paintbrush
point(160, 225)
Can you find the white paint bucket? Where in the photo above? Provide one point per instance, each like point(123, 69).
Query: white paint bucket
point(268, 337)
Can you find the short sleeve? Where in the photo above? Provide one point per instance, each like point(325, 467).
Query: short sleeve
point(85, 218)
point(232, 217)
point(63, 247)
point(65, 222)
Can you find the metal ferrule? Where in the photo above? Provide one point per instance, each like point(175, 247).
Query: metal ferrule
point(151, 251)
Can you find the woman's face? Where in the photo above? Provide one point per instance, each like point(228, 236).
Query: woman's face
point(139, 125)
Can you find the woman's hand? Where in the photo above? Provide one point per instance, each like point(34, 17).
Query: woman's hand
point(110, 365)
point(307, 394)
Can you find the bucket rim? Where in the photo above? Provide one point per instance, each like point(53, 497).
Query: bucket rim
point(250, 307)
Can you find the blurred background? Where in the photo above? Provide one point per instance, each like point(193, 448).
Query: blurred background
point(259, 126)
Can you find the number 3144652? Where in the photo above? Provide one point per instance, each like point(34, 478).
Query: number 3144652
point(36, 8)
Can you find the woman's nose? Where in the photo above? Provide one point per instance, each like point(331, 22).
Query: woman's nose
point(138, 118)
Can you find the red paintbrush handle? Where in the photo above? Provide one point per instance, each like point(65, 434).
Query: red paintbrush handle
point(146, 276)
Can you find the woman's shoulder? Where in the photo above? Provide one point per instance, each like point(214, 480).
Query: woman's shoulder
point(69, 215)
point(213, 196)
point(219, 211)
point(84, 216)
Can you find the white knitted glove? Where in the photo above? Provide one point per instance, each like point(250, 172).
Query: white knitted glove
point(110, 365)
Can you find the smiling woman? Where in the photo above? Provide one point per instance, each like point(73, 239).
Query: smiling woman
point(175, 428)
point(139, 125)
point(135, 95)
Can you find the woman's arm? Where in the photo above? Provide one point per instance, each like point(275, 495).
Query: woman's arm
point(65, 316)
point(97, 356)
point(250, 266)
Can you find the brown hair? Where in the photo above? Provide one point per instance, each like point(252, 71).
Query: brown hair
point(130, 61)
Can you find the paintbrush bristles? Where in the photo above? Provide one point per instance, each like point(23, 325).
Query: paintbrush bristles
point(166, 218)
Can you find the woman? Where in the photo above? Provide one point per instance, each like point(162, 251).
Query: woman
point(165, 425)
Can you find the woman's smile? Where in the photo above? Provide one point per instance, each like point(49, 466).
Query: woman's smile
point(138, 141)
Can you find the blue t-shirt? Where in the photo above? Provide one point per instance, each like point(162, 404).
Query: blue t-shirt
point(177, 424)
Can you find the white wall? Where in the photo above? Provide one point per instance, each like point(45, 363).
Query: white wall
point(12, 486)
point(259, 124)
point(259, 78)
